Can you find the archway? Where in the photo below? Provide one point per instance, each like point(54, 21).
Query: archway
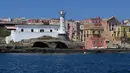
point(40, 44)
point(61, 45)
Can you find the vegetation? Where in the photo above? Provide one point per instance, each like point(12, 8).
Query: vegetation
point(4, 32)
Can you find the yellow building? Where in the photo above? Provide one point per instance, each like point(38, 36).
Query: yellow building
point(121, 35)
point(122, 31)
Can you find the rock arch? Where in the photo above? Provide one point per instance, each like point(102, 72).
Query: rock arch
point(40, 44)
point(61, 45)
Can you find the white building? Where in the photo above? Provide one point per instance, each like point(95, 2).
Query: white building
point(23, 32)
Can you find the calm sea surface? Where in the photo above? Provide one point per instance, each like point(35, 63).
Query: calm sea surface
point(65, 63)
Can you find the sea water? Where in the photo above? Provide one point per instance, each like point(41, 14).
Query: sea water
point(65, 63)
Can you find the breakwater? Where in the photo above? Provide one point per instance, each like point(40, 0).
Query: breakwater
point(50, 50)
point(28, 49)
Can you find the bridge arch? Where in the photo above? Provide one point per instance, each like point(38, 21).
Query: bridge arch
point(40, 44)
point(61, 45)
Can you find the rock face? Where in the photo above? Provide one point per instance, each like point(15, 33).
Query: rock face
point(2, 40)
point(49, 42)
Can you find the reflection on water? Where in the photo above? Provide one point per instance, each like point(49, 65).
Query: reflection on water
point(65, 63)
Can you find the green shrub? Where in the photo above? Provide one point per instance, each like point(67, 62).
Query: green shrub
point(4, 32)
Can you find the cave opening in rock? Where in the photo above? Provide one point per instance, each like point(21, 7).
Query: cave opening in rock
point(61, 45)
point(40, 44)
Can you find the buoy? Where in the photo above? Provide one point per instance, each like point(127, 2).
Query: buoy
point(84, 52)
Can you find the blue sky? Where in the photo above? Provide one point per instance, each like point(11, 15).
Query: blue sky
point(76, 9)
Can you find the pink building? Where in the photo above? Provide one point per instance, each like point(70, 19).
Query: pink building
point(73, 29)
point(95, 43)
point(93, 37)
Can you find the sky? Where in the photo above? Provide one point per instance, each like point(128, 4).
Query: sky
point(75, 9)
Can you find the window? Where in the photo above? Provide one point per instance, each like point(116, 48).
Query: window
point(32, 30)
point(99, 32)
point(118, 29)
point(94, 43)
point(50, 30)
point(68, 26)
point(107, 41)
point(112, 25)
point(124, 29)
point(101, 41)
point(93, 32)
point(125, 35)
point(87, 35)
point(112, 28)
point(41, 30)
point(22, 30)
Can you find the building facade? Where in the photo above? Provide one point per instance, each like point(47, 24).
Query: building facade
point(122, 31)
point(54, 21)
point(33, 31)
point(73, 29)
point(109, 25)
point(20, 20)
point(5, 20)
point(122, 35)
point(93, 37)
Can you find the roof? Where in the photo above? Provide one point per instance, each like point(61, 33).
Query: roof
point(10, 27)
point(97, 18)
point(107, 19)
point(38, 26)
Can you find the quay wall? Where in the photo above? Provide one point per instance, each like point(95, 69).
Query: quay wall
point(66, 51)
